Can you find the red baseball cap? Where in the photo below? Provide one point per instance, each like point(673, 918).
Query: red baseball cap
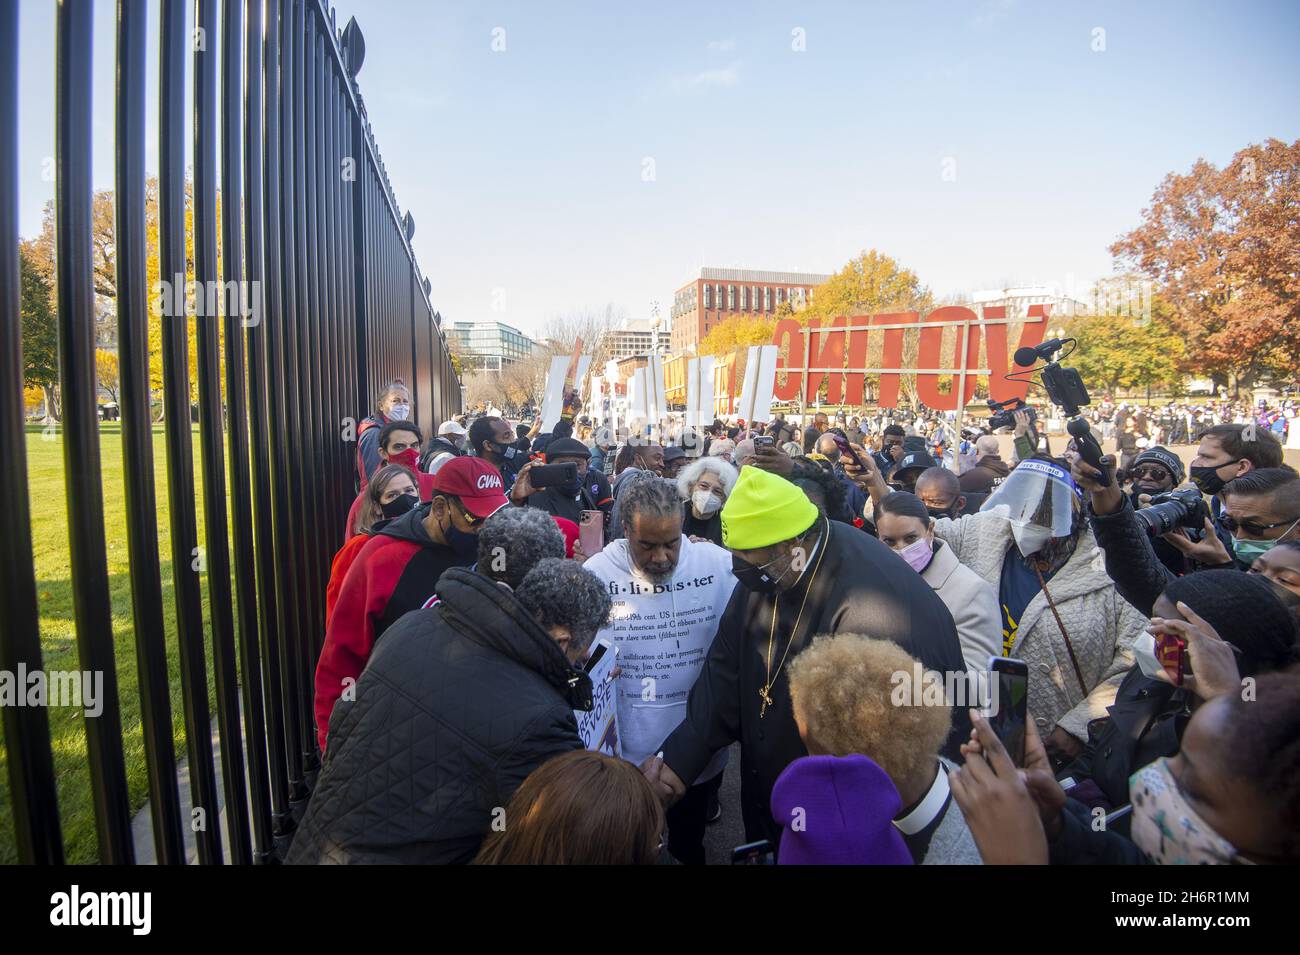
point(475, 482)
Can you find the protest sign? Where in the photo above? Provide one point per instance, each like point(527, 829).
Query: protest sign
point(699, 391)
point(760, 379)
point(599, 728)
point(553, 402)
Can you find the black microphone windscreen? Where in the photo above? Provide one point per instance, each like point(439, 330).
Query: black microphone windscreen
point(1026, 357)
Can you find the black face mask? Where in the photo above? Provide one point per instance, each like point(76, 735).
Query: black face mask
point(571, 488)
point(399, 505)
point(506, 451)
point(754, 577)
point(462, 542)
point(937, 514)
point(1206, 478)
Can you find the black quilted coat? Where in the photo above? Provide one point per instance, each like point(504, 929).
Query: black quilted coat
point(457, 705)
point(1131, 561)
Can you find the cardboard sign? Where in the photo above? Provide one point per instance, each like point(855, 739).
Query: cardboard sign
point(570, 403)
point(760, 380)
point(655, 394)
point(699, 392)
point(599, 728)
point(638, 411)
point(553, 402)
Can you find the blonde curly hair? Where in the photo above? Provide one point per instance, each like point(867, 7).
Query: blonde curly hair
point(841, 687)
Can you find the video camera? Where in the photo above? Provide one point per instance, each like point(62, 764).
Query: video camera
point(1066, 389)
point(1004, 413)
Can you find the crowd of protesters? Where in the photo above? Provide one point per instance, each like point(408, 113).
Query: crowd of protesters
point(814, 590)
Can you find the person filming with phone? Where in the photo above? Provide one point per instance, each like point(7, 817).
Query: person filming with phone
point(560, 487)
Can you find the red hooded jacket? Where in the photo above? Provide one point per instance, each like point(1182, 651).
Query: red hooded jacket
point(396, 571)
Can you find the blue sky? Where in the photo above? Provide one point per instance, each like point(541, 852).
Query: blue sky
point(525, 168)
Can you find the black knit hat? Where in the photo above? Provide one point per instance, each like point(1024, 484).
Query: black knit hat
point(1166, 459)
point(1245, 611)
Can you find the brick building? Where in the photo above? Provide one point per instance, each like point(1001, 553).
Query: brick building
point(718, 294)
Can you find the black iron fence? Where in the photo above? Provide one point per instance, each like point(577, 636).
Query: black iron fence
point(321, 303)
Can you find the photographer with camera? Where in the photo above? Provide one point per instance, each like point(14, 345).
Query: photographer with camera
point(1260, 509)
point(1155, 474)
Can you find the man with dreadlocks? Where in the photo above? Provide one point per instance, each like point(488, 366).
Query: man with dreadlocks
point(1061, 614)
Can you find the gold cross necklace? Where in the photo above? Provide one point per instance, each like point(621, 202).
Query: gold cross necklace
point(765, 692)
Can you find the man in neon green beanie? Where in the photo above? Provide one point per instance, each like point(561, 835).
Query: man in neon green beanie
point(801, 575)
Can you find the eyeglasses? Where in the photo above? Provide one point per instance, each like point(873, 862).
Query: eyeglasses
point(1254, 528)
point(1156, 474)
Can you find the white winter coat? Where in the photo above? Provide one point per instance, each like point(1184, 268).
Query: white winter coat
point(972, 603)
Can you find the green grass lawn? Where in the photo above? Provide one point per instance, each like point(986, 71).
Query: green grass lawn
point(49, 507)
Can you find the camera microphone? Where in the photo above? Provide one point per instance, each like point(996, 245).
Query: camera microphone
point(1025, 357)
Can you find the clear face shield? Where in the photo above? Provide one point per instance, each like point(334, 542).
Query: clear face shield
point(1039, 499)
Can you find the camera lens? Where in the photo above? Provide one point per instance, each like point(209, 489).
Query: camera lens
point(1163, 517)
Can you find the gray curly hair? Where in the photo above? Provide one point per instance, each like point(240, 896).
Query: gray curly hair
point(727, 475)
point(646, 493)
point(512, 542)
point(560, 593)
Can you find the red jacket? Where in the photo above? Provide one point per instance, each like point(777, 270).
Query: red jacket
point(339, 570)
point(396, 571)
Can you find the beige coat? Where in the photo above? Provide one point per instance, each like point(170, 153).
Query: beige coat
point(1101, 624)
point(972, 603)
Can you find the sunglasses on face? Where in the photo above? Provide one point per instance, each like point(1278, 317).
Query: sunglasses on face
point(465, 515)
point(1254, 528)
point(1155, 474)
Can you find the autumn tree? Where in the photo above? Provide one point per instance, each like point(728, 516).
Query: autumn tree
point(739, 331)
point(870, 283)
point(483, 388)
point(457, 356)
point(106, 372)
point(40, 333)
point(104, 265)
point(523, 382)
point(1127, 350)
point(1223, 247)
